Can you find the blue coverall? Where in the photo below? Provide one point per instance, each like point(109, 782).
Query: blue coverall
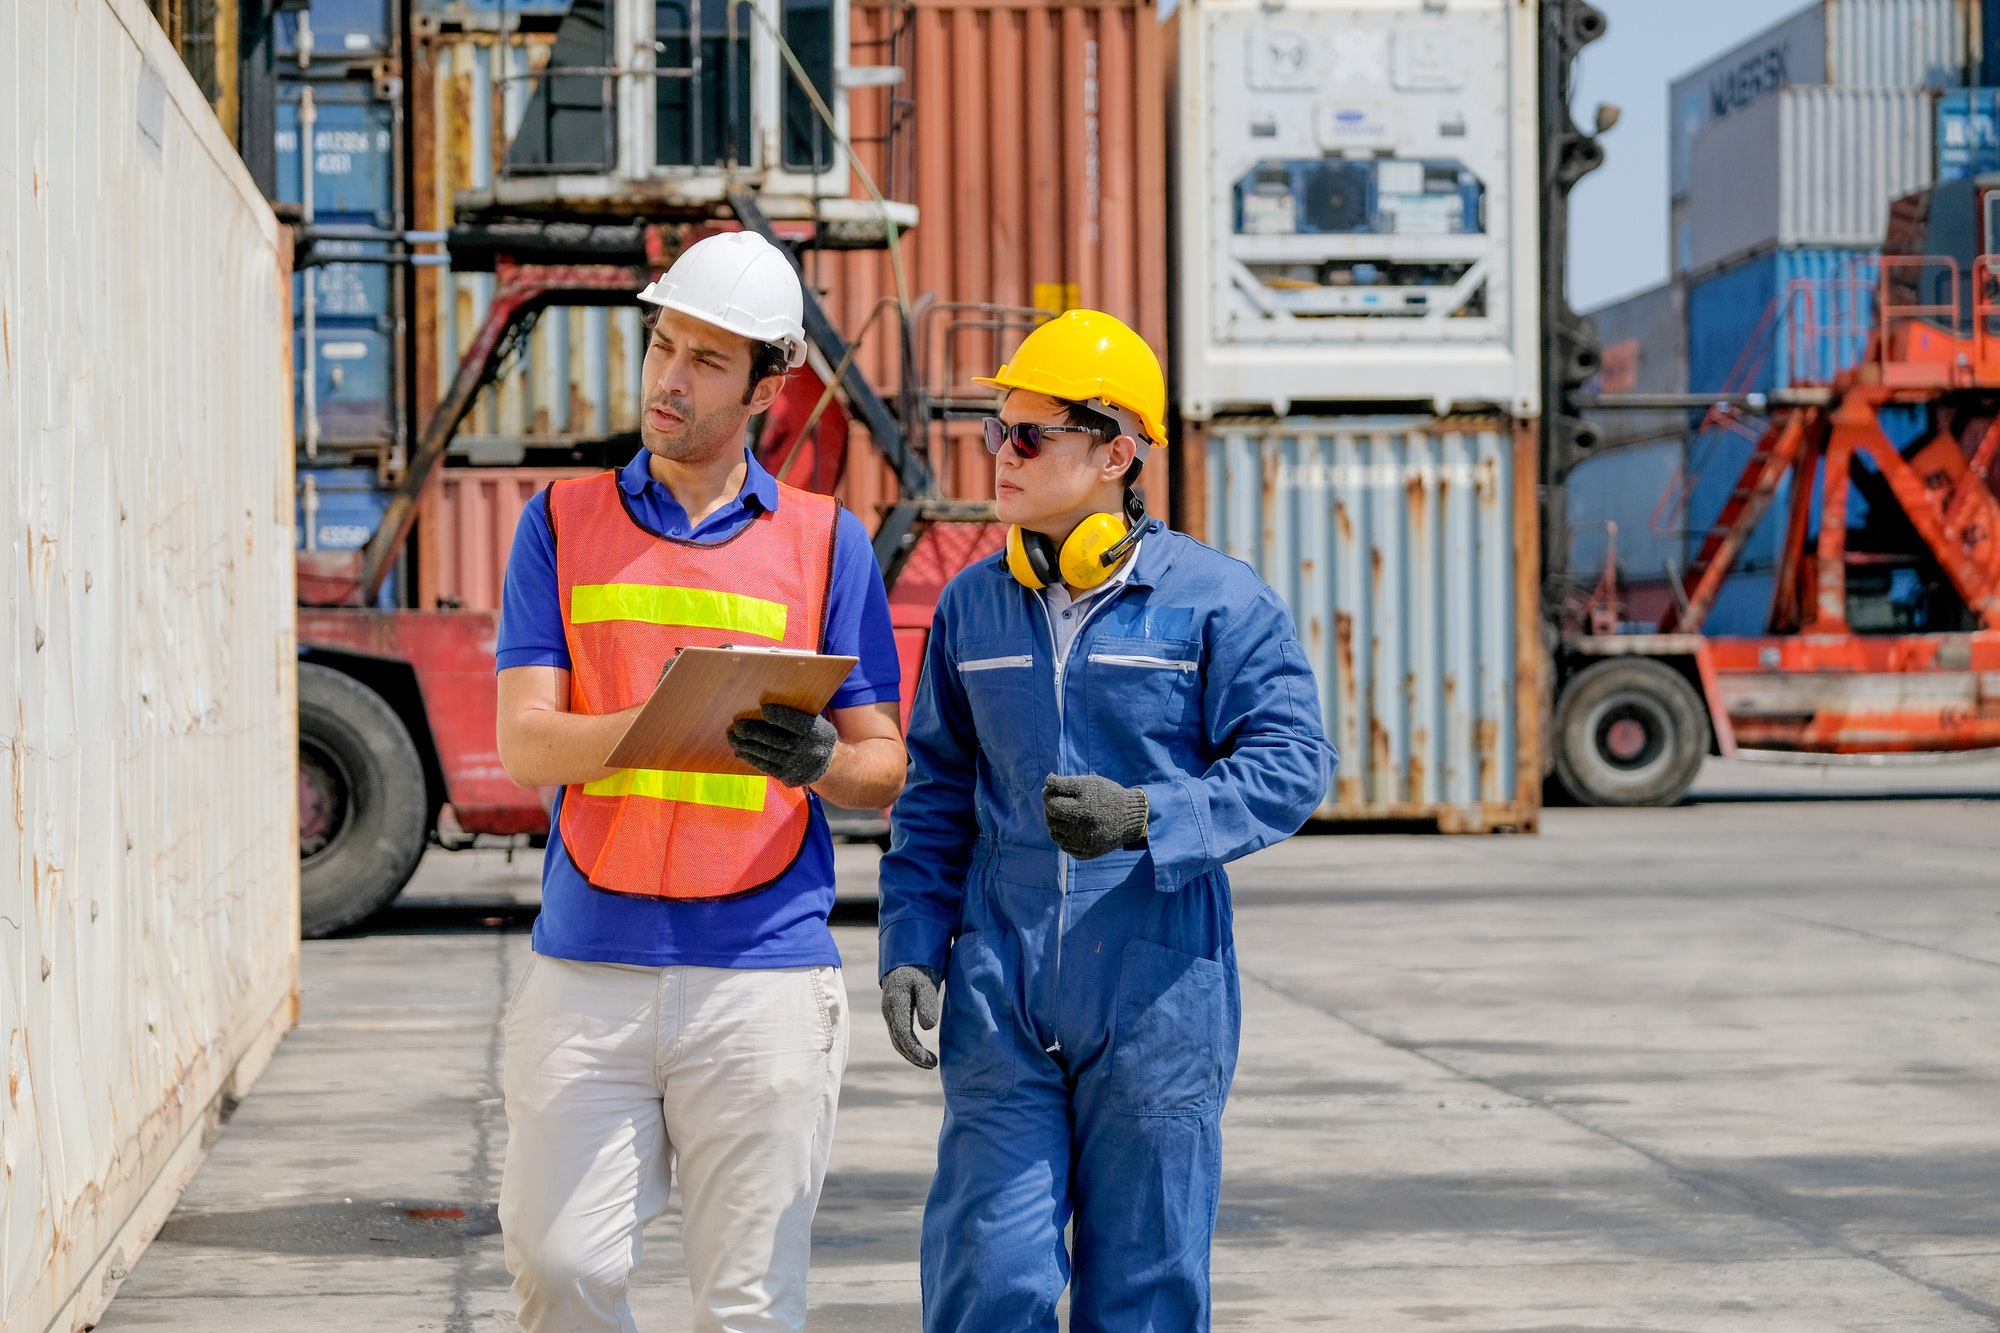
point(1091, 1008)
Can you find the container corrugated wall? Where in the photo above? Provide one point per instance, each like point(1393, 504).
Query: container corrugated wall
point(1038, 163)
point(469, 516)
point(1844, 43)
point(1846, 152)
point(1807, 167)
point(1780, 318)
point(1040, 178)
point(149, 949)
point(1899, 43)
point(1405, 548)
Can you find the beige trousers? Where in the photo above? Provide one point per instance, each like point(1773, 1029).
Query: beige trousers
point(614, 1074)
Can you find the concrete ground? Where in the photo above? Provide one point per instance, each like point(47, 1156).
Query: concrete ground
point(1730, 1066)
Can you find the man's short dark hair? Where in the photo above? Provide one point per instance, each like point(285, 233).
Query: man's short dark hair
point(766, 359)
point(1089, 418)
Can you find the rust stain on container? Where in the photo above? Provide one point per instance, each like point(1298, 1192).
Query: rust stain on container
point(1486, 743)
point(1407, 532)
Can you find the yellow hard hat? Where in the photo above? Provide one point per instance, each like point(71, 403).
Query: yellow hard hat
point(1088, 356)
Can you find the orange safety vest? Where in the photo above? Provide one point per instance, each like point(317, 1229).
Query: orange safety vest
point(631, 599)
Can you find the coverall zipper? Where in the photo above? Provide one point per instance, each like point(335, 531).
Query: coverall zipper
point(1061, 659)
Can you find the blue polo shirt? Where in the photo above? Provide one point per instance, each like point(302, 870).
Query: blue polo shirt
point(784, 925)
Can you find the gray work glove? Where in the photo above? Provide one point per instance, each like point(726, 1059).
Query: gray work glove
point(911, 989)
point(1089, 816)
point(791, 746)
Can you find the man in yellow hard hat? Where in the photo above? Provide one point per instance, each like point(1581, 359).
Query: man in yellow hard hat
point(1109, 713)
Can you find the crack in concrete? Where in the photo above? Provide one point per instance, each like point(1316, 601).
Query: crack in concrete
point(479, 1182)
point(1738, 1193)
point(1859, 933)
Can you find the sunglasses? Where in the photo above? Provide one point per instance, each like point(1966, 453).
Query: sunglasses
point(1027, 437)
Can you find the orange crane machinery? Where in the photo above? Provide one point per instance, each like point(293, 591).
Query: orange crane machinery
point(1883, 630)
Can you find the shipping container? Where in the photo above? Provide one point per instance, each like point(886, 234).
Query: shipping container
point(1637, 488)
point(151, 930)
point(1030, 137)
point(1968, 133)
point(1841, 43)
point(339, 509)
point(329, 30)
point(468, 518)
point(1785, 317)
point(1642, 348)
point(353, 151)
point(1406, 550)
point(1807, 167)
point(1358, 206)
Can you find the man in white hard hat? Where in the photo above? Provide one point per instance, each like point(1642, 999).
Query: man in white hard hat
point(683, 1007)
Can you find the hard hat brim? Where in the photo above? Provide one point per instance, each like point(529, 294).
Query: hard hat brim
point(795, 348)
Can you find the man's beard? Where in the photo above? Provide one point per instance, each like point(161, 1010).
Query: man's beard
point(698, 437)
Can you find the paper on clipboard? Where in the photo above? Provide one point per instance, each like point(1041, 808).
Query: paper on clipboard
point(684, 725)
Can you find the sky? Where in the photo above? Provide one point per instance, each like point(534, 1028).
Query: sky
point(1618, 213)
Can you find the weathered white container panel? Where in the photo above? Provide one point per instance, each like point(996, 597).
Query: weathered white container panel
point(1808, 166)
point(148, 938)
point(1400, 545)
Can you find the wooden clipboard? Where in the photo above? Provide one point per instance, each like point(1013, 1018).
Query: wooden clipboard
point(684, 725)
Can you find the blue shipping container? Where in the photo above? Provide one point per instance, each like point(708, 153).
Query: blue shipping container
point(344, 291)
point(1968, 133)
point(1793, 316)
point(353, 152)
point(1779, 318)
point(352, 380)
point(1631, 487)
point(341, 29)
point(460, 9)
point(347, 504)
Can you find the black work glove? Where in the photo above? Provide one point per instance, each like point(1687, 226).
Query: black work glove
point(1089, 816)
point(911, 989)
point(791, 746)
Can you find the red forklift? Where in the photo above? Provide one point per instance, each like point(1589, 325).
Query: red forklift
point(1883, 631)
point(596, 193)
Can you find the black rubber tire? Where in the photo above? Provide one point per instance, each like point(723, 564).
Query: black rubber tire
point(356, 858)
point(1664, 736)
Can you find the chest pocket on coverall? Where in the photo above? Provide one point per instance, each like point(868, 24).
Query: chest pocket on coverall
point(1155, 682)
point(999, 684)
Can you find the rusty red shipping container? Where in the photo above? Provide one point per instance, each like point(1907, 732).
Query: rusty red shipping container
point(1036, 155)
point(468, 519)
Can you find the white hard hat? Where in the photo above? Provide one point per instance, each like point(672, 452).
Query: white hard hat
point(739, 281)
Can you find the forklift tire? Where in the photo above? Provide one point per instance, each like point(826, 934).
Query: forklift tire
point(363, 817)
point(1629, 731)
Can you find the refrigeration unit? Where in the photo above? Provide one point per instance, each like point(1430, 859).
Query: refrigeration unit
point(1357, 206)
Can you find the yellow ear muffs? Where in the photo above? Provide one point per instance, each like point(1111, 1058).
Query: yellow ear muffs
point(1088, 557)
point(1031, 558)
point(1083, 554)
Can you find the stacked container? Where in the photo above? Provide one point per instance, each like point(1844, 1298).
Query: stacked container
point(1358, 357)
point(1030, 137)
point(1631, 481)
point(1785, 154)
point(339, 148)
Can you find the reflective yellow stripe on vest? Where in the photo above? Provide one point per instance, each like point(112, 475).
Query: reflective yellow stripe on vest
point(704, 608)
point(728, 790)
